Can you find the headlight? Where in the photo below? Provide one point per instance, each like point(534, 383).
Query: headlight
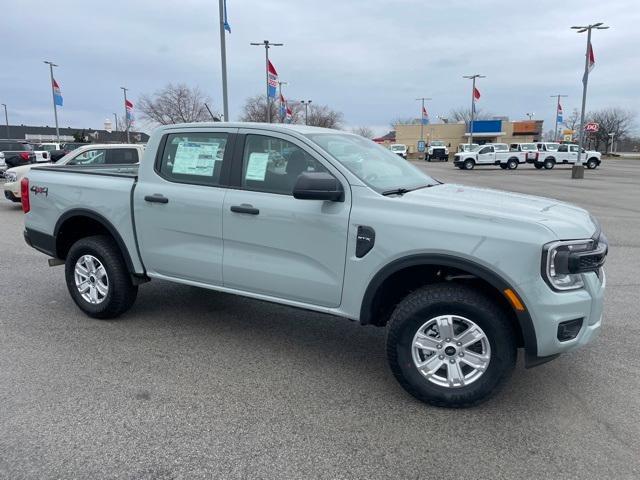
point(564, 262)
point(11, 176)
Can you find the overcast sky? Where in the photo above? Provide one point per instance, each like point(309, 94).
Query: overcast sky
point(367, 58)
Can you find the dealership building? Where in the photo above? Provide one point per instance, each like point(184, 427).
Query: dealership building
point(497, 130)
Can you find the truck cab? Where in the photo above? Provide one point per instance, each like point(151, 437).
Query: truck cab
point(567, 154)
point(437, 150)
point(399, 149)
point(489, 154)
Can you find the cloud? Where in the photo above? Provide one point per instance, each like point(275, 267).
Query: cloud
point(368, 58)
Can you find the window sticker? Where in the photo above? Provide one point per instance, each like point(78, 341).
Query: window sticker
point(257, 166)
point(195, 159)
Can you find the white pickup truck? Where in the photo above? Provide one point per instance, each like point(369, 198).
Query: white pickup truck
point(489, 154)
point(566, 154)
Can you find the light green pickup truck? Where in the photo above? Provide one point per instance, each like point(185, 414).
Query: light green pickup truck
point(324, 220)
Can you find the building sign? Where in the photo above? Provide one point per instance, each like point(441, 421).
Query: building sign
point(421, 146)
point(487, 126)
point(531, 127)
point(592, 127)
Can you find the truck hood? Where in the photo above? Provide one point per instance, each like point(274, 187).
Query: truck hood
point(566, 221)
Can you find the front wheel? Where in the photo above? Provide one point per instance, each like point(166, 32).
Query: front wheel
point(97, 278)
point(503, 166)
point(450, 346)
point(592, 163)
point(469, 164)
point(537, 165)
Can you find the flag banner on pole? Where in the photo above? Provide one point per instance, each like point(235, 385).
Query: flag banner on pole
point(128, 106)
point(590, 63)
point(559, 113)
point(225, 22)
point(283, 107)
point(425, 116)
point(476, 93)
point(273, 80)
point(57, 95)
point(288, 117)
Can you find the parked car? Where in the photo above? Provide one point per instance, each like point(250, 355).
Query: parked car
point(399, 149)
point(567, 154)
point(3, 165)
point(96, 154)
point(466, 147)
point(489, 154)
point(460, 276)
point(530, 150)
point(16, 152)
point(437, 150)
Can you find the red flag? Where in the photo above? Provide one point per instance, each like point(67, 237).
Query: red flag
point(592, 58)
point(476, 93)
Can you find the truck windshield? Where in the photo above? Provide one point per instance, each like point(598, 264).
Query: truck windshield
point(398, 148)
point(437, 143)
point(374, 165)
point(528, 146)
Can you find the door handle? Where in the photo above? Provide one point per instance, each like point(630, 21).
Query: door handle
point(245, 208)
point(156, 198)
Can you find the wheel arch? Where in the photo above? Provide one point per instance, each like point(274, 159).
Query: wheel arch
point(81, 223)
point(387, 278)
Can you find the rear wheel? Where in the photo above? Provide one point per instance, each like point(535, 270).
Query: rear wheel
point(549, 164)
point(503, 166)
point(512, 164)
point(450, 346)
point(469, 164)
point(97, 278)
point(538, 165)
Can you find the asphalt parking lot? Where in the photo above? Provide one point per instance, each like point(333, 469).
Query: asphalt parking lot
point(197, 384)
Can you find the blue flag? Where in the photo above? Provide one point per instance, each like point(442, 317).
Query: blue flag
point(57, 95)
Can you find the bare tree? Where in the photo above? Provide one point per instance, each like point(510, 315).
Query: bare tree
point(365, 132)
point(403, 121)
point(464, 114)
point(255, 109)
point(175, 103)
point(323, 116)
point(572, 122)
point(616, 121)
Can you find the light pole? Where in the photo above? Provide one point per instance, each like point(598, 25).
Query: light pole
point(557, 97)
point(530, 115)
point(282, 112)
point(6, 119)
point(473, 103)
point(267, 44)
point(53, 95)
point(306, 104)
point(422, 99)
point(126, 120)
point(612, 135)
point(115, 117)
point(577, 171)
point(223, 57)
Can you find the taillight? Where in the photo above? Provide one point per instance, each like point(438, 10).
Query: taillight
point(24, 195)
point(44, 155)
point(24, 155)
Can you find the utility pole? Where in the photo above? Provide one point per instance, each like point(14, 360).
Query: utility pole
point(422, 99)
point(53, 95)
point(282, 112)
point(267, 44)
point(557, 97)
point(223, 58)
point(115, 117)
point(473, 103)
point(612, 135)
point(6, 119)
point(126, 113)
point(306, 104)
point(577, 171)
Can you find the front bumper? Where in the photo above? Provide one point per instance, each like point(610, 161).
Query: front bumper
point(13, 188)
point(548, 309)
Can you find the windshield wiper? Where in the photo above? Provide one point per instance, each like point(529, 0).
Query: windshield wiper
point(402, 191)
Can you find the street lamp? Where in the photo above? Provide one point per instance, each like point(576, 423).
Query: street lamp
point(6, 119)
point(530, 115)
point(53, 95)
point(473, 103)
point(612, 135)
point(422, 99)
point(267, 44)
point(306, 104)
point(223, 56)
point(577, 171)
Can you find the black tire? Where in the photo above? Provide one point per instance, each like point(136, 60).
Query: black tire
point(538, 166)
point(512, 164)
point(450, 299)
point(121, 291)
point(503, 166)
point(549, 164)
point(592, 163)
point(469, 164)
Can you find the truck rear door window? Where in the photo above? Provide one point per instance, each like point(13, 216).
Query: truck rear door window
point(122, 156)
point(194, 157)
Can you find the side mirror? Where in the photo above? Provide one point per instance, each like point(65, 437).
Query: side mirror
point(318, 186)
